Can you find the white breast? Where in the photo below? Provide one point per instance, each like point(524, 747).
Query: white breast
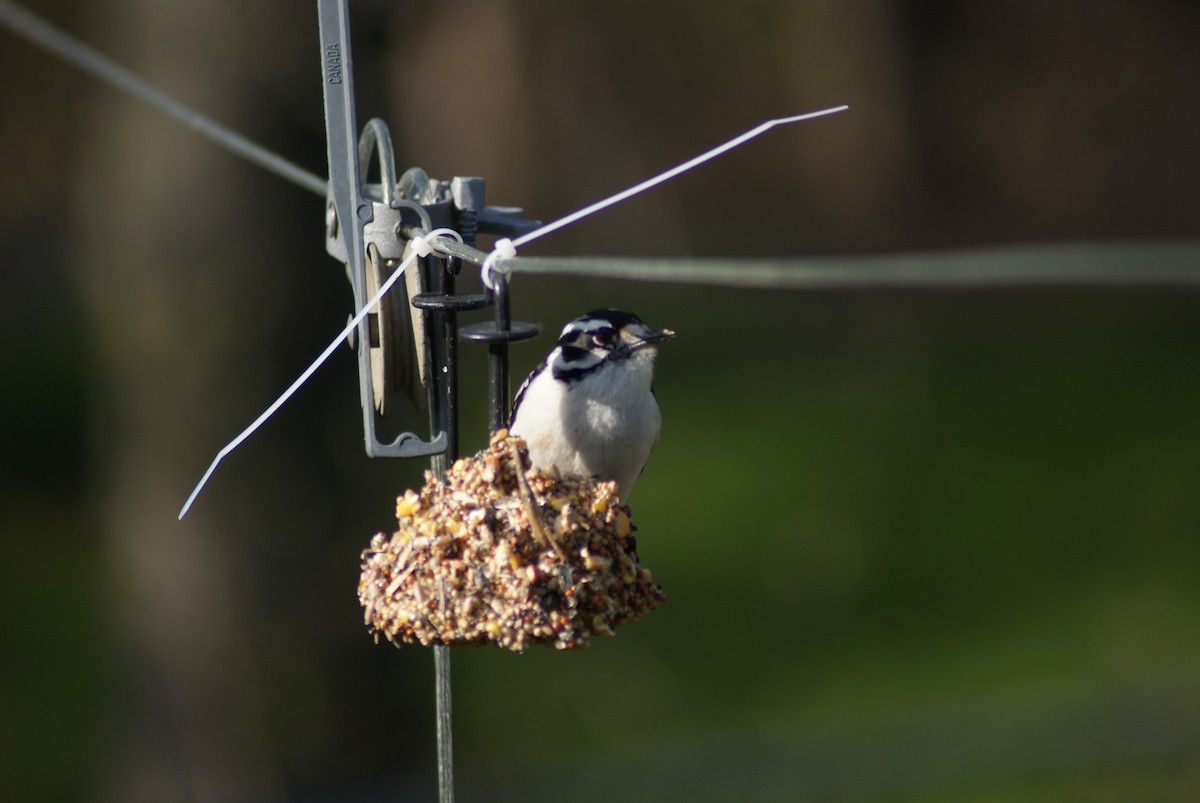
point(605, 424)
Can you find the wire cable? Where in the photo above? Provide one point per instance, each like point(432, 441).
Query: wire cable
point(75, 52)
point(666, 175)
point(1122, 264)
point(506, 249)
point(313, 366)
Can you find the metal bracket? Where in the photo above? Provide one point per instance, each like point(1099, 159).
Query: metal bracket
point(358, 225)
point(369, 227)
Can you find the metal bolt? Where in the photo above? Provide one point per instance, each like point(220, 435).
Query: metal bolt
point(467, 194)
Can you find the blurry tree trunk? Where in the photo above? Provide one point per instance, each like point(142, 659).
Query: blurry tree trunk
point(159, 275)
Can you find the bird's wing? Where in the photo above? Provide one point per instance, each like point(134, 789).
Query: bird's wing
point(512, 415)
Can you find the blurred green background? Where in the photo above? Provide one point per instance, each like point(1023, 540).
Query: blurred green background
point(920, 545)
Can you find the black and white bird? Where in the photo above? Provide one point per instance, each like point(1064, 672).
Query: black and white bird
point(589, 408)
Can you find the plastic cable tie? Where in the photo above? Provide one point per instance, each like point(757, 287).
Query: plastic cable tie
point(421, 246)
point(433, 238)
point(504, 248)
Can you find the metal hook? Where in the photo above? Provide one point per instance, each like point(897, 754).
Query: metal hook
point(376, 137)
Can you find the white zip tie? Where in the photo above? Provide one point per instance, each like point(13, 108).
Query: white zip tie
point(503, 249)
point(421, 247)
point(493, 263)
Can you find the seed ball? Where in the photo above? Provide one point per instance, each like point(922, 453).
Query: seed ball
point(490, 555)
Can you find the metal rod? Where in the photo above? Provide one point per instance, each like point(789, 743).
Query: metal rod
point(444, 418)
point(498, 359)
point(445, 729)
point(450, 375)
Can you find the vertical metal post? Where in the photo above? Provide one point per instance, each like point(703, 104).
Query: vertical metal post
point(468, 199)
point(444, 418)
point(445, 733)
point(443, 306)
point(498, 358)
point(498, 334)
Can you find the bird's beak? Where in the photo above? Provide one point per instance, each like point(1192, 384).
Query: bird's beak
point(652, 339)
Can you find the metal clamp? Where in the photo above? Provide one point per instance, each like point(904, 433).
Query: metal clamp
point(369, 226)
point(362, 223)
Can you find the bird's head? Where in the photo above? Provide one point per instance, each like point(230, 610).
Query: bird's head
point(604, 335)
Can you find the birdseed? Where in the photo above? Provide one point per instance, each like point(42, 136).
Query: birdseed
point(514, 558)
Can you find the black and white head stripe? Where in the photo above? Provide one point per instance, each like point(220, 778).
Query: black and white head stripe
point(603, 334)
point(591, 340)
point(573, 362)
point(599, 319)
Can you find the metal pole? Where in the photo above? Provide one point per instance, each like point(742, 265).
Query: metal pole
point(445, 732)
point(498, 359)
point(444, 413)
point(498, 334)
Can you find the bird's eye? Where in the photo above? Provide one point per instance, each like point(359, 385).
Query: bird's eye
point(603, 338)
